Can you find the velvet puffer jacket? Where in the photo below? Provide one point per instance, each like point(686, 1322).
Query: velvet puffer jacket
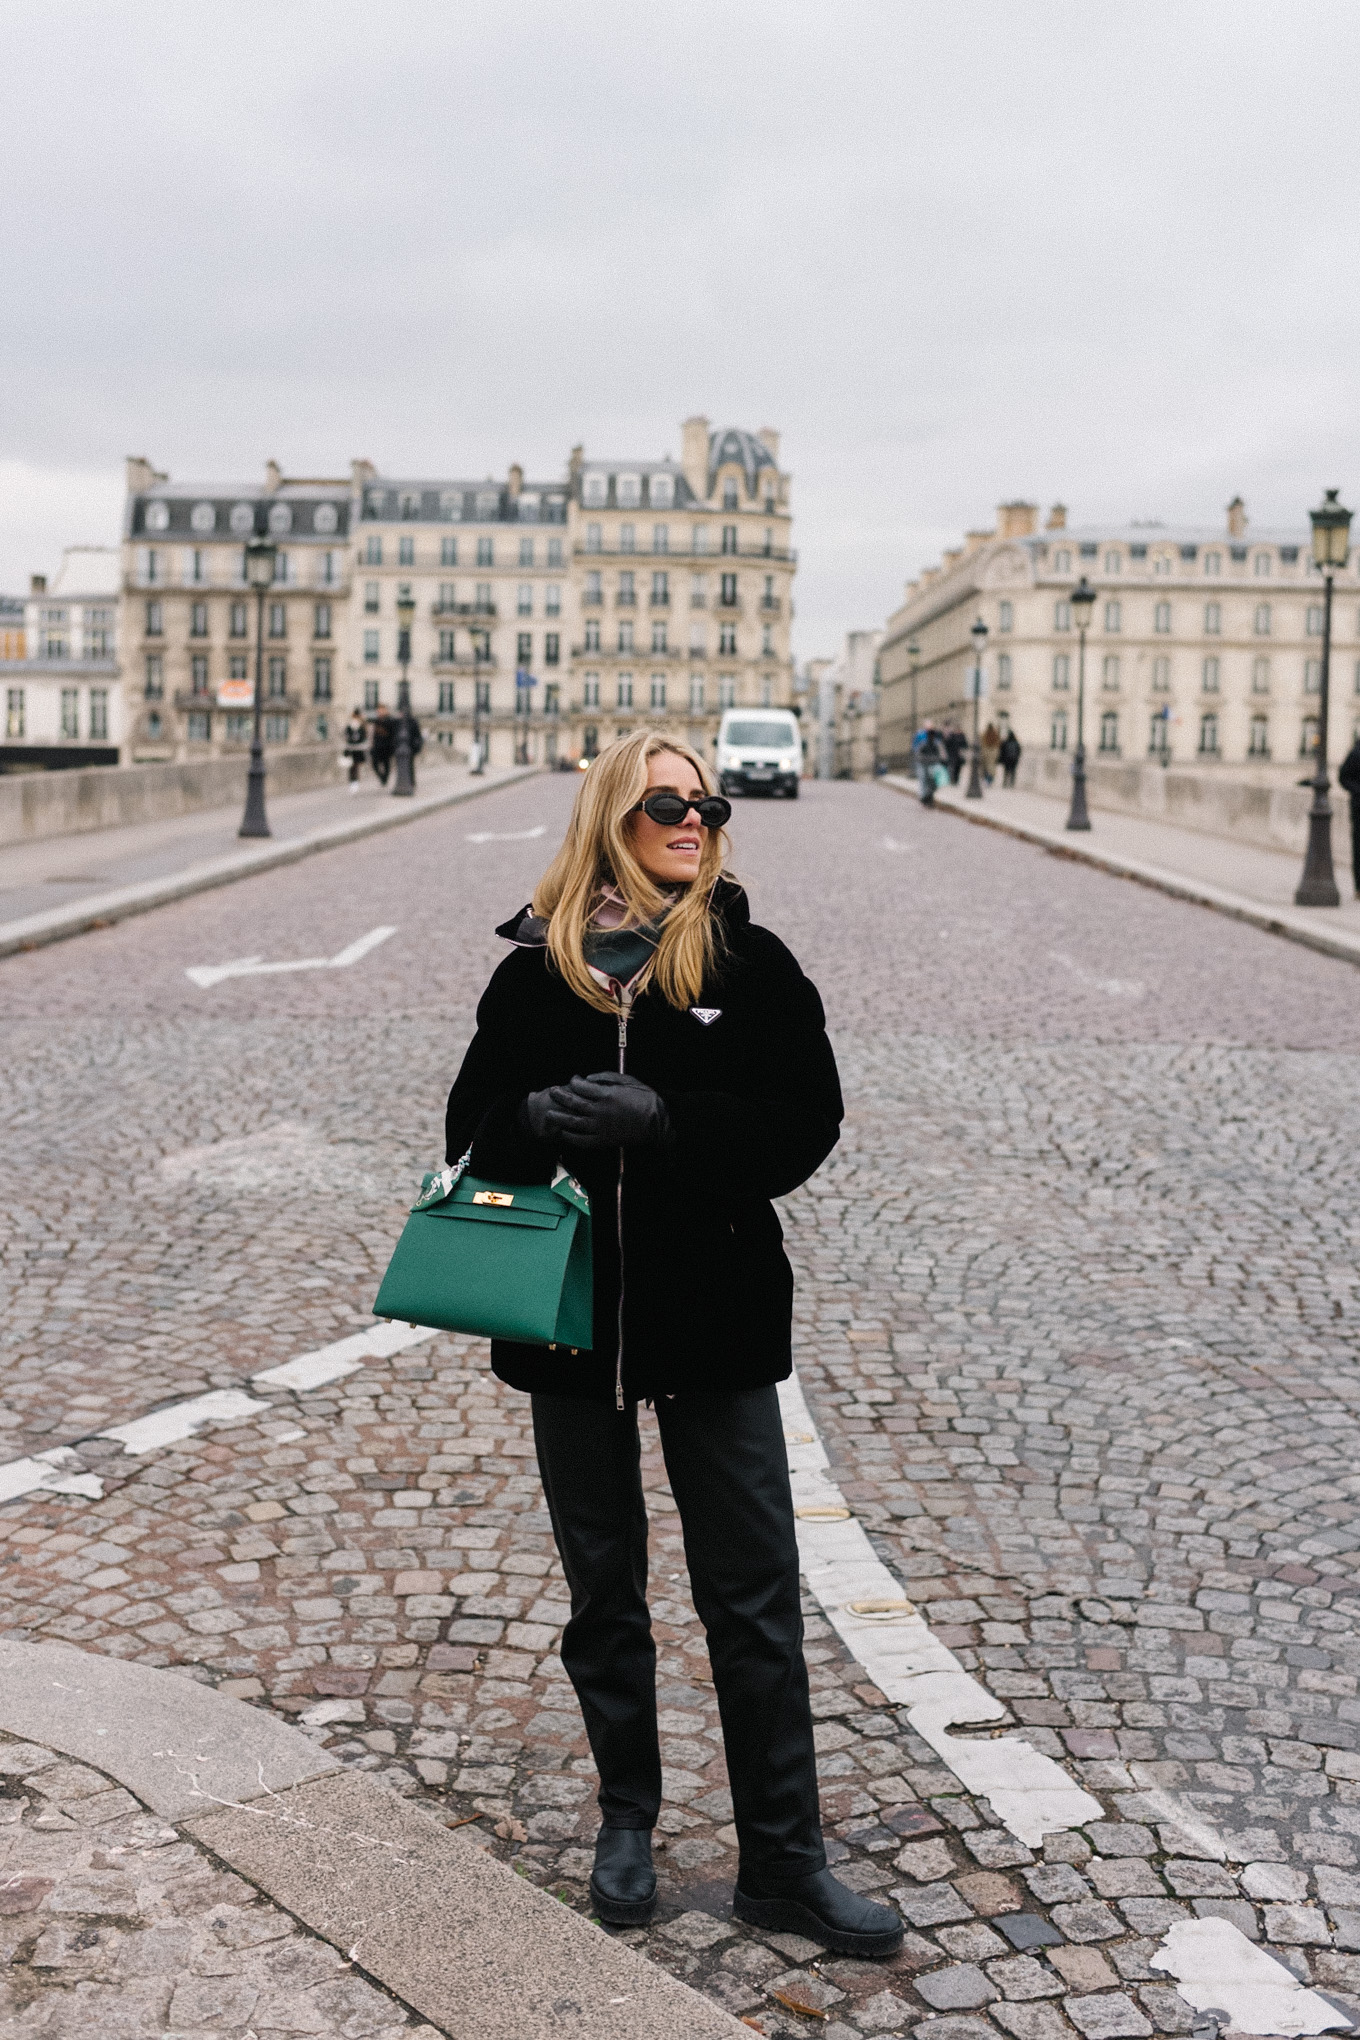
point(754, 1103)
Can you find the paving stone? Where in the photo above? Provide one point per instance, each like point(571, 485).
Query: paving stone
point(931, 1906)
point(884, 2012)
point(1032, 2022)
point(1020, 1976)
point(1029, 1930)
point(1108, 2016)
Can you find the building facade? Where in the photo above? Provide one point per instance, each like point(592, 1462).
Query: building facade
point(1204, 646)
point(537, 619)
point(59, 674)
point(189, 629)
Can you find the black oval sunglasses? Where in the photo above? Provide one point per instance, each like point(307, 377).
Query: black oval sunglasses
point(669, 808)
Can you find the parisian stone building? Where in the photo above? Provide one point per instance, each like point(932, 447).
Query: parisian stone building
point(1204, 646)
point(536, 618)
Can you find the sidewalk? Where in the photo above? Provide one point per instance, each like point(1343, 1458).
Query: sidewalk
point(62, 885)
point(1233, 878)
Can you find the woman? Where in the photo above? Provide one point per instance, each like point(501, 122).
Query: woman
point(356, 746)
point(645, 1033)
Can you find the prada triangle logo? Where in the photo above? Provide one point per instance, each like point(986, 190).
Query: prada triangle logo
point(706, 1015)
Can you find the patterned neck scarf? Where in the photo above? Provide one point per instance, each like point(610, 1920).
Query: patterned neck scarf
point(617, 955)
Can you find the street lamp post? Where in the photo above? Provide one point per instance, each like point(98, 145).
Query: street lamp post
point(914, 654)
point(405, 784)
point(1083, 602)
point(478, 760)
point(979, 635)
point(1331, 549)
point(260, 556)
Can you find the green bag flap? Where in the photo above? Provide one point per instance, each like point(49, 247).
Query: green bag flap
point(497, 1214)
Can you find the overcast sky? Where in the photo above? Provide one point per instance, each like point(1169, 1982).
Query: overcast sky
point(957, 253)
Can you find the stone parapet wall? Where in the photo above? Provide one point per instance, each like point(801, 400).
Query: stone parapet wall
point(1267, 808)
point(38, 804)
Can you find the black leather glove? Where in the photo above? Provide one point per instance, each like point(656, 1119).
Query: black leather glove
point(605, 1110)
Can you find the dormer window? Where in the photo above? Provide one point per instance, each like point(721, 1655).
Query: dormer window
point(729, 495)
point(662, 490)
point(1213, 563)
point(594, 490)
point(1062, 563)
point(628, 491)
point(1114, 563)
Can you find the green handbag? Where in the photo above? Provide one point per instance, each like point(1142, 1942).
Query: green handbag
point(502, 1260)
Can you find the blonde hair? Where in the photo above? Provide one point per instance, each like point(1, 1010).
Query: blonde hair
point(598, 851)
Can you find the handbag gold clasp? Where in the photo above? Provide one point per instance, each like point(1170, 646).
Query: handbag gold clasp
point(491, 1197)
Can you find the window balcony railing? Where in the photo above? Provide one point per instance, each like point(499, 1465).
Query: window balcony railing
point(592, 596)
point(660, 601)
point(440, 609)
point(770, 605)
point(625, 599)
point(730, 606)
point(685, 552)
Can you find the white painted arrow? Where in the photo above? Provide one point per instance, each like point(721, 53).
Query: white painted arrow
point(207, 974)
point(509, 836)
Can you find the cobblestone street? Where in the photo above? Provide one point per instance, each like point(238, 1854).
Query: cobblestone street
point(1074, 1318)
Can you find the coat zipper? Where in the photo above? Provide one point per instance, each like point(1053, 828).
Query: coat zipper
point(624, 1006)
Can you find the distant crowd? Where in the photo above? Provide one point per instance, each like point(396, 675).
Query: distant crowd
point(940, 750)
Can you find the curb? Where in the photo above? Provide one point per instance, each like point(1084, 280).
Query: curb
point(1285, 921)
point(445, 1926)
point(35, 931)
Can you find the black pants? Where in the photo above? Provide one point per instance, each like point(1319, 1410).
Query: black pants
point(381, 766)
point(1355, 841)
point(729, 1475)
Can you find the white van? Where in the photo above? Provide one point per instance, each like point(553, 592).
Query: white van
point(760, 750)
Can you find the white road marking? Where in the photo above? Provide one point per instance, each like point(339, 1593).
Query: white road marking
point(508, 835)
point(891, 843)
point(46, 1473)
point(1029, 1793)
point(180, 1420)
point(205, 975)
point(332, 1363)
point(1114, 988)
point(1217, 1968)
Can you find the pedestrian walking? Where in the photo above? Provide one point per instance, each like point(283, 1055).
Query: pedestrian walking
point(928, 750)
point(1008, 757)
point(990, 747)
point(356, 746)
point(955, 750)
point(382, 743)
point(1348, 775)
point(645, 1034)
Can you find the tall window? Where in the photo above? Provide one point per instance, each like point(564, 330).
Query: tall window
point(327, 574)
point(1313, 620)
point(1260, 676)
point(483, 601)
point(1261, 563)
point(1161, 617)
point(727, 641)
point(727, 690)
point(1208, 735)
point(1005, 613)
point(659, 636)
point(552, 648)
point(447, 646)
point(729, 538)
point(552, 599)
point(625, 693)
point(197, 567)
point(278, 679)
point(1308, 737)
point(594, 540)
point(278, 619)
point(661, 538)
point(321, 677)
point(1110, 671)
point(1109, 732)
point(1062, 563)
point(767, 641)
point(526, 551)
point(445, 697)
point(1209, 676)
point(198, 673)
point(729, 495)
point(373, 550)
point(627, 592)
point(1062, 616)
point(99, 711)
point(406, 552)
point(198, 619)
point(155, 620)
point(486, 552)
point(661, 588)
point(698, 591)
point(238, 623)
point(238, 667)
point(1114, 562)
point(321, 620)
point(1162, 564)
point(524, 648)
point(1258, 743)
point(1261, 622)
point(1062, 669)
point(448, 551)
point(592, 643)
point(1114, 616)
point(70, 711)
point(14, 711)
point(371, 649)
point(554, 552)
point(1057, 731)
point(728, 592)
point(155, 676)
point(1213, 619)
point(1003, 671)
point(524, 599)
point(658, 690)
point(1312, 676)
point(1213, 563)
point(590, 691)
point(370, 692)
point(696, 690)
point(482, 690)
point(699, 539)
point(276, 729)
point(552, 698)
point(1161, 675)
point(200, 726)
point(626, 635)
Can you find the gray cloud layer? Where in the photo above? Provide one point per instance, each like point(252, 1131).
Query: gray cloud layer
point(957, 253)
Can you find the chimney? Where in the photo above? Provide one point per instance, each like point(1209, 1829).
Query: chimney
point(141, 475)
point(576, 463)
point(950, 558)
point(1237, 518)
point(272, 477)
point(769, 439)
point(516, 480)
point(1057, 518)
point(694, 454)
point(1016, 520)
point(973, 541)
point(361, 471)
point(37, 584)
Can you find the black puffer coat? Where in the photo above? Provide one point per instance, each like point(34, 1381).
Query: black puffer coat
point(754, 1105)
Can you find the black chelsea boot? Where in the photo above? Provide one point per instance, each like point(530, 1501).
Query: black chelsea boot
point(823, 1909)
point(623, 1882)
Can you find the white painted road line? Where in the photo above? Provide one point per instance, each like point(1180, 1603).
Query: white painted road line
point(171, 1426)
point(46, 1474)
point(1218, 1969)
point(332, 1363)
point(508, 835)
point(205, 975)
point(1029, 1793)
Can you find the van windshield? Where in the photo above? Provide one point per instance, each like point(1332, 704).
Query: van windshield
point(772, 736)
